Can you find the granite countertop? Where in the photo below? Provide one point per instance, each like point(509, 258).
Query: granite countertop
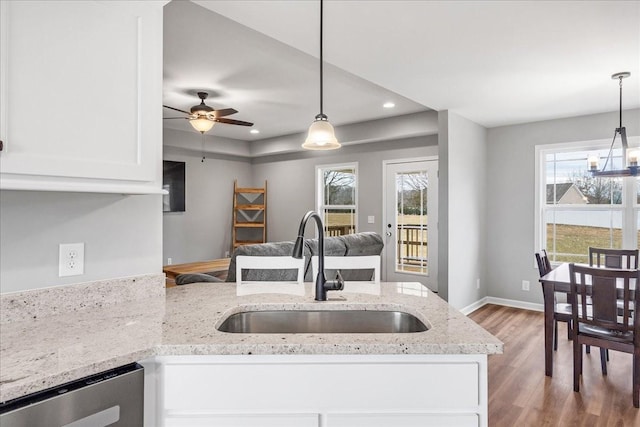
point(41, 352)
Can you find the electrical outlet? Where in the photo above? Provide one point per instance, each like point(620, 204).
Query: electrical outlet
point(71, 259)
point(371, 219)
point(169, 261)
point(525, 285)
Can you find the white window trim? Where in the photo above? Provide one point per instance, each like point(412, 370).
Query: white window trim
point(629, 196)
point(319, 189)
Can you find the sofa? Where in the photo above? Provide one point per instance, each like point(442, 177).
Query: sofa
point(359, 244)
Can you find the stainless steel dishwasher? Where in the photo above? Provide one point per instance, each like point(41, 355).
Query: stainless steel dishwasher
point(111, 398)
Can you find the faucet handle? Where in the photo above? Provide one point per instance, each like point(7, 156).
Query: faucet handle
point(335, 285)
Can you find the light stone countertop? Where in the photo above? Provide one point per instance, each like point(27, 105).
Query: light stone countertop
point(43, 352)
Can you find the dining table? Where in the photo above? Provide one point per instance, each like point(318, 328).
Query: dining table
point(557, 280)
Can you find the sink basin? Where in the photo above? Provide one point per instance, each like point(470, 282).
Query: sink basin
point(322, 322)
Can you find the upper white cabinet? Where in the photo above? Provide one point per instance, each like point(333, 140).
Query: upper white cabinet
point(81, 104)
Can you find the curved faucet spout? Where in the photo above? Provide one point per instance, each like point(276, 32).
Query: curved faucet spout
point(321, 281)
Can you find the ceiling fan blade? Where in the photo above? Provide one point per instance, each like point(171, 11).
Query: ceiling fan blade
point(176, 109)
point(232, 122)
point(223, 112)
point(181, 118)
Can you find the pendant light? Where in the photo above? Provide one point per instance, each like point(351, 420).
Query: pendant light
point(631, 162)
point(321, 135)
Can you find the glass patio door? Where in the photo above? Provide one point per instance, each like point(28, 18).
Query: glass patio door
point(411, 218)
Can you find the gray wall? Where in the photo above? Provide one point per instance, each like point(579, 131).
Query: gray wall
point(462, 192)
point(121, 236)
point(203, 231)
point(510, 199)
point(292, 182)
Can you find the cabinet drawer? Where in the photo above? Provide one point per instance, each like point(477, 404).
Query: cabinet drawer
point(297, 385)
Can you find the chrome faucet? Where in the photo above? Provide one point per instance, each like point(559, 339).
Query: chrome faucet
point(322, 285)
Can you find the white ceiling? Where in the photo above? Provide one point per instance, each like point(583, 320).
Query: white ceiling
point(271, 84)
point(494, 62)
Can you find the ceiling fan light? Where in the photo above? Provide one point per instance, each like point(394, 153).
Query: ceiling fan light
point(321, 136)
point(201, 124)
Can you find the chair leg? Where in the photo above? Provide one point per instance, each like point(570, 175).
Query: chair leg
point(577, 363)
point(569, 332)
point(603, 359)
point(588, 349)
point(555, 335)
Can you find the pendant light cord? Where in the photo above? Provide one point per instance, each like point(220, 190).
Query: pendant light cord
point(615, 133)
point(321, 76)
point(621, 101)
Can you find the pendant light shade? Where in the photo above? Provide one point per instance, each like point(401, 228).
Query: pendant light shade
point(201, 124)
point(321, 135)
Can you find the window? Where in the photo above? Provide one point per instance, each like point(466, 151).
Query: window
point(337, 195)
point(577, 210)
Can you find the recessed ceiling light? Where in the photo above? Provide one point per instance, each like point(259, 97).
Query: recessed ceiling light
point(254, 131)
point(388, 105)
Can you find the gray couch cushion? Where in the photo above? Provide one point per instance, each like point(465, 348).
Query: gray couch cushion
point(361, 244)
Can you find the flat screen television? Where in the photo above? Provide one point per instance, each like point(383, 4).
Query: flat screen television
point(173, 180)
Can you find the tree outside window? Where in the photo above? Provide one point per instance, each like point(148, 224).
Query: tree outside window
point(337, 199)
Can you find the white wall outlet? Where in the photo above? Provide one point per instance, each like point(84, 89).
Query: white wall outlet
point(371, 219)
point(525, 285)
point(71, 259)
point(169, 261)
point(478, 283)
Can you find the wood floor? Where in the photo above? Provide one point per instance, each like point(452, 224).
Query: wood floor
point(521, 395)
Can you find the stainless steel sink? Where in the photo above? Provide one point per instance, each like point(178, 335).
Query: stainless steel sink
point(322, 322)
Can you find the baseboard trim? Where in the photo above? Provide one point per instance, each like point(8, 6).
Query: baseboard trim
point(474, 306)
point(501, 301)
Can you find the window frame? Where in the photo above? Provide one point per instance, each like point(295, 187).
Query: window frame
point(629, 208)
point(319, 193)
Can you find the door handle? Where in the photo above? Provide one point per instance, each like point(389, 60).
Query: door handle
point(389, 233)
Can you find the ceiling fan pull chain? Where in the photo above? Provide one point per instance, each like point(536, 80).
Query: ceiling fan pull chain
point(202, 161)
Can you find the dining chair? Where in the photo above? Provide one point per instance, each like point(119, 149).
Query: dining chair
point(613, 258)
point(283, 263)
point(366, 262)
point(561, 311)
point(601, 323)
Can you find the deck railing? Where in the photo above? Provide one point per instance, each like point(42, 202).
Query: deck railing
point(412, 244)
point(338, 230)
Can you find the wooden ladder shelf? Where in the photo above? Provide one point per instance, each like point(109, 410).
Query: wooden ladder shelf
point(249, 215)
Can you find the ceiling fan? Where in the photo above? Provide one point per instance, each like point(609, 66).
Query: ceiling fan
point(202, 117)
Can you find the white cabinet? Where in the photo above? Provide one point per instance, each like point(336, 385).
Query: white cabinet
point(331, 390)
point(81, 105)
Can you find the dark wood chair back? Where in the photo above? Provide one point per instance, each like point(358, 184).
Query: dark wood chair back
point(613, 258)
point(609, 322)
point(544, 265)
point(611, 293)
